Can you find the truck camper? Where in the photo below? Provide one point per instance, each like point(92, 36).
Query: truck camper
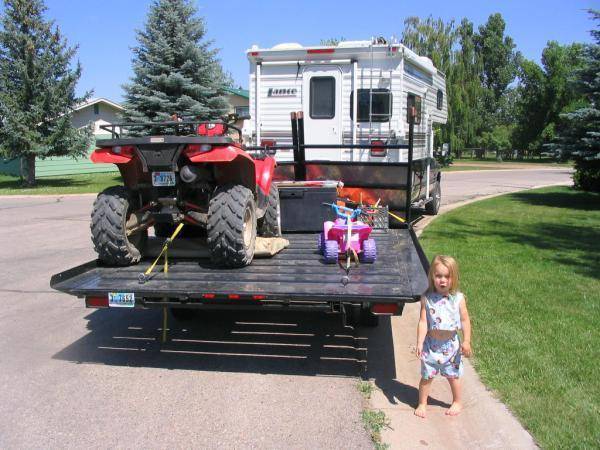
point(352, 93)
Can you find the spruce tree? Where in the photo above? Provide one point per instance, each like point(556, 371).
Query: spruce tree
point(579, 135)
point(175, 71)
point(37, 89)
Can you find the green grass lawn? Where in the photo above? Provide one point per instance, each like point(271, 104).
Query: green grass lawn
point(66, 184)
point(530, 268)
point(492, 164)
point(454, 168)
point(542, 161)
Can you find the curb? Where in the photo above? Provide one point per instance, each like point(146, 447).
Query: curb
point(86, 194)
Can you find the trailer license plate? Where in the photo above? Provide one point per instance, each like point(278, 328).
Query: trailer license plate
point(163, 178)
point(121, 299)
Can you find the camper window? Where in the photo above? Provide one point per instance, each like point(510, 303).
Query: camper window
point(440, 99)
point(380, 112)
point(413, 100)
point(322, 98)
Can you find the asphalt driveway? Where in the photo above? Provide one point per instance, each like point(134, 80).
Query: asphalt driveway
point(72, 377)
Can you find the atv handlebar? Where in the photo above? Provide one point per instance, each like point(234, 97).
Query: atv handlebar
point(339, 210)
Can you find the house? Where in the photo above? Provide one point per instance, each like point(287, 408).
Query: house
point(99, 111)
point(238, 100)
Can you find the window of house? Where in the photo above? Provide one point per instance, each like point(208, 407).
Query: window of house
point(243, 112)
point(96, 109)
point(413, 100)
point(322, 97)
point(440, 99)
point(380, 105)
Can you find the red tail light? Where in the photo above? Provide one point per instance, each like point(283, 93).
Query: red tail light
point(384, 308)
point(125, 150)
point(321, 50)
point(209, 296)
point(378, 151)
point(233, 297)
point(96, 302)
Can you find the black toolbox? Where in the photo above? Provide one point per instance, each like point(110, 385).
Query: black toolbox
point(302, 208)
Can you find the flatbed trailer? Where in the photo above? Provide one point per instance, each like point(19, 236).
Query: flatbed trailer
point(296, 278)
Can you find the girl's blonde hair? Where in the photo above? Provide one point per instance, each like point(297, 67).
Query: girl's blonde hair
point(449, 263)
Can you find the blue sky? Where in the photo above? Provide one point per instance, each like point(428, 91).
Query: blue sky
point(104, 29)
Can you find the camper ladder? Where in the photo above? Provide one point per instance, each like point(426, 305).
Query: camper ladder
point(390, 85)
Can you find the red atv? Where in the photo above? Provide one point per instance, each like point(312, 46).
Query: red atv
point(191, 172)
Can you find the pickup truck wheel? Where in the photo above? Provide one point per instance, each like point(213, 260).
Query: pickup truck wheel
point(433, 207)
point(270, 224)
point(231, 230)
point(110, 216)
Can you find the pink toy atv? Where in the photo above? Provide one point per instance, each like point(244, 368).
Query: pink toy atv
point(345, 234)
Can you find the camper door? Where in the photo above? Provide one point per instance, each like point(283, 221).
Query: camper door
point(322, 106)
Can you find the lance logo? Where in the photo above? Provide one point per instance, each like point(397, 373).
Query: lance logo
point(282, 92)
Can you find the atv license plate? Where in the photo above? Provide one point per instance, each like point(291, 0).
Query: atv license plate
point(121, 299)
point(163, 178)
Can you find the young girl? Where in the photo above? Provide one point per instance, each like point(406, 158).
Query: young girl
point(443, 312)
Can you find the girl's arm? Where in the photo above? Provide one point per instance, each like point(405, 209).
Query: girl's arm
point(466, 327)
point(421, 328)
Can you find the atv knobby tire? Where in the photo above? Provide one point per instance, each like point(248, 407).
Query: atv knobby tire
point(112, 209)
point(270, 224)
point(231, 230)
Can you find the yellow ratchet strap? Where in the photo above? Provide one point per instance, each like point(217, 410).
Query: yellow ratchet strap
point(396, 217)
point(165, 251)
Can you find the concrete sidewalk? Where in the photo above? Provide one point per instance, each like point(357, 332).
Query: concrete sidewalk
point(484, 423)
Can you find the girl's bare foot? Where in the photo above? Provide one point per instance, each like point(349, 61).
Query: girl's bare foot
point(421, 411)
point(454, 409)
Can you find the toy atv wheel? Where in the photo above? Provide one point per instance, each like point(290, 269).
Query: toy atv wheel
point(331, 252)
point(369, 251)
point(111, 218)
point(270, 224)
point(321, 242)
point(231, 229)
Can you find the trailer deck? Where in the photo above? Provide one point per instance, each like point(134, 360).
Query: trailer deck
point(296, 276)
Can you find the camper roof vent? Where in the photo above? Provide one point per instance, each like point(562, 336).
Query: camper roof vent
point(287, 46)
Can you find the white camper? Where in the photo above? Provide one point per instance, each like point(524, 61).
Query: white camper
point(357, 92)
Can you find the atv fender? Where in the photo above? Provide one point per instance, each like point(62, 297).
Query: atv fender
point(264, 173)
point(220, 155)
point(104, 155)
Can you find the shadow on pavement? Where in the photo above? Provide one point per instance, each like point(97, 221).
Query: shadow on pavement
point(272, 342)
point(381, 365)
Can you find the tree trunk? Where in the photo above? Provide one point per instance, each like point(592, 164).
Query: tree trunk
point(28, 170)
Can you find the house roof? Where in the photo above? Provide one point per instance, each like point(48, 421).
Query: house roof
point(98, 100)
point(241, 92)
